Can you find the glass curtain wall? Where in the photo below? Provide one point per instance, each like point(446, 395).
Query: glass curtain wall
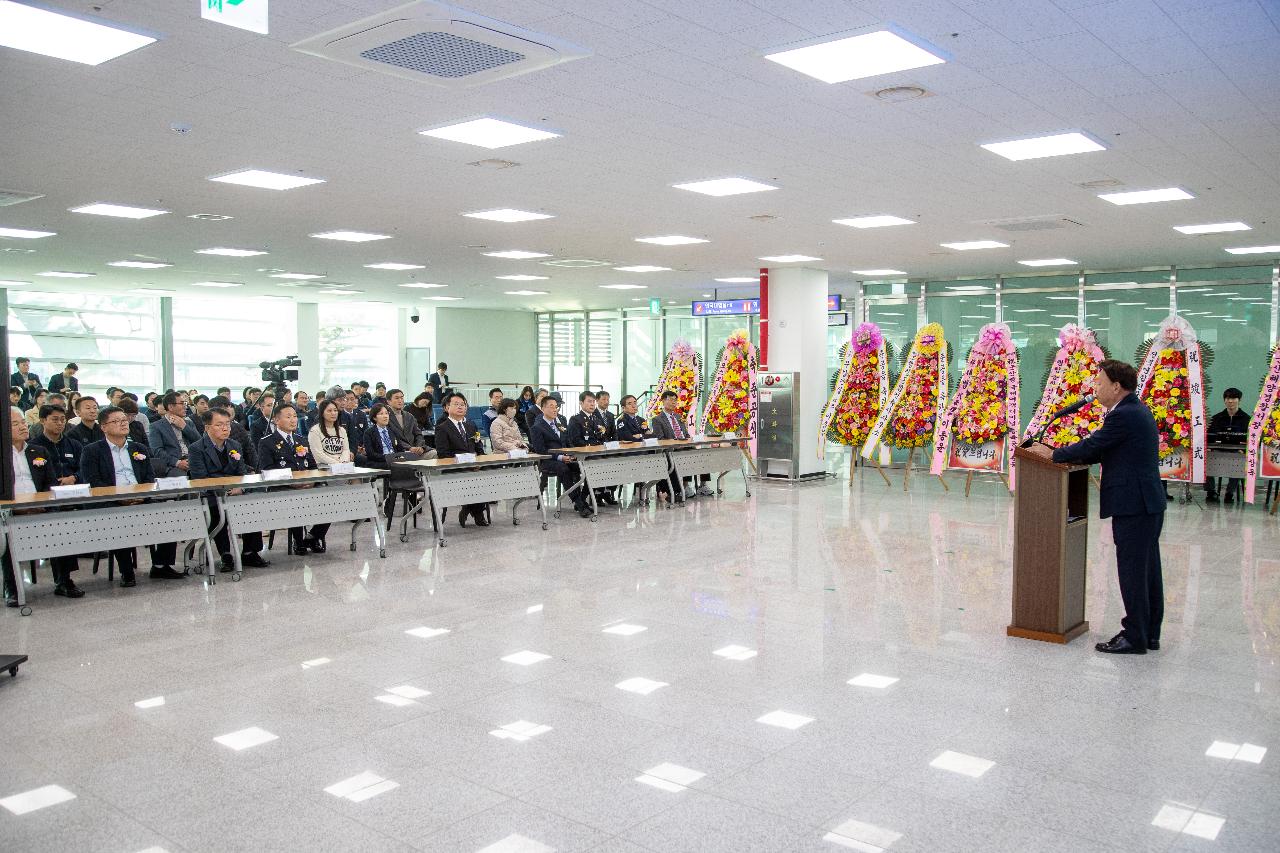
point(114, 339)
point(645, 354)
point(222, 341)
point(605, 352)
point(356, 342)
point(1230, 309)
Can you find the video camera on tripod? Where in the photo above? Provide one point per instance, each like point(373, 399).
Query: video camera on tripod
point(275, 372)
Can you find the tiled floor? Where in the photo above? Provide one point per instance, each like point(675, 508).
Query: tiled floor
point(635, 740)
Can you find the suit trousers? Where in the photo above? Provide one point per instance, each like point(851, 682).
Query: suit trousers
point(250, 543)
point(568, 475)
point(60, 567)
point(1137, 539)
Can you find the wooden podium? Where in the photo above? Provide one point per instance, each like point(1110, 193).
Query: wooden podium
point(1050, 546)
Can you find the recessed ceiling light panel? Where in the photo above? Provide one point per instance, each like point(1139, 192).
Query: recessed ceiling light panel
point(788, 259)
point(508, 214)
point(122, 211)
point(61, 274)
point(1147, 196)
point(422, 285)
point(1054, 145)
point(1212, 228)
point(526, 292)
point(389, 265)
point(231, 253)
point(725, 186)
point(517, 254)
point(671, 240)
point(351, 236)
point(139, 265)
point(624, 286)
point(883, 51)
point(298, 276)
point(523, 277)
point(741, 279)
point(878, 272)
point(971, 245)
point(1050, 262)
point(65, 35)
point(643, 268)
point(266, 180)
point(24, 234)
point(873, 221)
point(1255, 250)
point(217, 284)
point(443, 298)
point(489, 133)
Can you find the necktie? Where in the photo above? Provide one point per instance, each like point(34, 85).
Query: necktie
point(462, 432)
point(676, 427)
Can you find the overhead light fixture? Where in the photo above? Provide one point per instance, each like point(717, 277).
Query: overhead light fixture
point(508, 214)
point(643, 268)
point(388, 265)
point(489, 133)
point(1050, 262)
point(298, 276)
point(788, 259)
point(266, 180)
point(671, 240)
point(7, 283)
point(523, 277)
point(61, 274)
point(878, 272)
point(1255, 250)
point(575, 263)
point(63, 35)
point(1213, 228)
point(740, 279)
point(231, 253)
point(1054, 145)
point(335, 291)
point(1147, 196)
point(970, 245)
point(624, 286)
point(217, 284)
point(24, 234)
point(883, 51)
point(423, 285)
point(351, 236)
point(873, 221)
point(209, 217)
point(443, 298)
point(517, 254)
point(526, 292)
point(148, 291)
point(721, 187)
point(139, 265)
point(123, 211)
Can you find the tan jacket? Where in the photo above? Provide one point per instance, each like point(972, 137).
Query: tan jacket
point(504, 435)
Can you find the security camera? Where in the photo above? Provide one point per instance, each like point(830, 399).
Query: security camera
point(413, 318)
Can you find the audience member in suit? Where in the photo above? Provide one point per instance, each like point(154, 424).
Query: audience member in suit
point(66, 380)
point(138, 423)
point(26, 380)
point(199, 405)
point(602, 406)
point(64, 451)
point(402, 422)
point(354, 421)
point(260, 418)
point(668, 425)
point(455, 434)
point(632, 427)
point(216, 454)
point(117, 461)
point(239, 434)
point(588, 429)
point(87, 431)
point(284, 448)
point(172, 436)
point(1132, 496)
point(327, 439)
point(438, 382)
point(535, 412)
point(34, 471)
point(548, 437)
point(379, 444)
point(504, 433)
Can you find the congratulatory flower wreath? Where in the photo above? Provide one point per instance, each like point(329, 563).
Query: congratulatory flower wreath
point(1071, 376)
point(682, 373)
point(860, 390)
point(731, 406)
point(1264, 429)
point(1171, 383)
point(910, 416)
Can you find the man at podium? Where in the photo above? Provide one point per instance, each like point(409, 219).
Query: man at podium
point(1133, 498)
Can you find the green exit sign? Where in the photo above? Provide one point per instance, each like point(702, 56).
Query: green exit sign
point(655, 306)
point(248, 15)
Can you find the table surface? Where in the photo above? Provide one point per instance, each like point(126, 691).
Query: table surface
point(481, 459)
point(146, 490)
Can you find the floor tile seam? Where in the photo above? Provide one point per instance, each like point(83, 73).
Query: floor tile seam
point(617, 829)
point(333, 805)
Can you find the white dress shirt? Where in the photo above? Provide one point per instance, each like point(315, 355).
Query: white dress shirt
point(22, 482)
point(124, 465)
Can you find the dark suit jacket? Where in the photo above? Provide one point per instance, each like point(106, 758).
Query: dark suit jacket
point(661, 427)
point(449, 443)
point(275, 452)
point(356, 423)
point(632, 428)
point(437, 385)
point(373, 455)
point(61, 383)
point(28, 394)
point(164, 444)
point(1128, 447)
point(65, 454)
point(138, 433)
point(206, 461)
point(98, 470)
point(550, 441)
point(44, 473)
point(586, 431)
point(240, 436)
point(610, 421)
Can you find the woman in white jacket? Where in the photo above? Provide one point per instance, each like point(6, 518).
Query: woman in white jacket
point(504, 433)
point(327, 439)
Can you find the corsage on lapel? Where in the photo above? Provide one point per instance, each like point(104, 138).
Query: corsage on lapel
point(299, 450)
point(234, 454)
point(38, 461)
point(138, 457)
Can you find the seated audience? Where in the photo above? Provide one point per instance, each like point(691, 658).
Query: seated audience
point(239, 434)
point(632, 427)
point(260, 419)
point(355, 421)
point(536, 412)
point(172, 436)
point(504, 433)
point(495, 400)
point(588, 429)
point(199, 405)
point(602, 406)
point(138, 422)
point(327, 439)
point(454, 435)
point(117, 461)
point(548, 437)
point(284, 448)
point(64, 451)
point(33, 413)
point(1230, 426)
point(87, 430)
point(216, 454)
point(33, 471)
point(402, 422)
point(668, 425)
point(423, 412)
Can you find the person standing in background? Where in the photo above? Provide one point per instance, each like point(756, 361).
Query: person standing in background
point(26, 380)
point(66, 380)
point(438, 382)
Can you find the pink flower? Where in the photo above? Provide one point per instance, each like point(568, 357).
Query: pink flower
point(38, 461)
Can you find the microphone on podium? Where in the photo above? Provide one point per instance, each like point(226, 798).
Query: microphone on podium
point(1061, 413)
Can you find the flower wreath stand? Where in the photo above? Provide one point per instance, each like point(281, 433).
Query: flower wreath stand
point(859, 390)
point(732, 405)
point(1263, 460)
point(910, 415)
point(682, 373)
point(1172, 384)
point(1069, 377)
point(973, 433)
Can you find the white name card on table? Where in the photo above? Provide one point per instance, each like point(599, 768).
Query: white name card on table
point(612, 445)
point(342, 468)
point(517, 453)
point(702, 436)
point(171, 483)
point(277, 474)
point(651, 442)
point(79, 490)
point(252, 478)
point(465, 457)
point(730, 436)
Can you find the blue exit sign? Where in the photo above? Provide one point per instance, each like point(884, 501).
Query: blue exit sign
point(724, 307)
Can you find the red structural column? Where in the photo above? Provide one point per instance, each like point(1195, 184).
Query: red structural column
point(764, 318)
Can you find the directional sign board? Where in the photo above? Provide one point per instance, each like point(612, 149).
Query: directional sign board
point(248, 15)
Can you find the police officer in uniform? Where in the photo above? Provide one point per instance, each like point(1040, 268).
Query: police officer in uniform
point(282, 447)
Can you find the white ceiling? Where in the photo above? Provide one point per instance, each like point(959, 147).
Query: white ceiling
point(1186, 93)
